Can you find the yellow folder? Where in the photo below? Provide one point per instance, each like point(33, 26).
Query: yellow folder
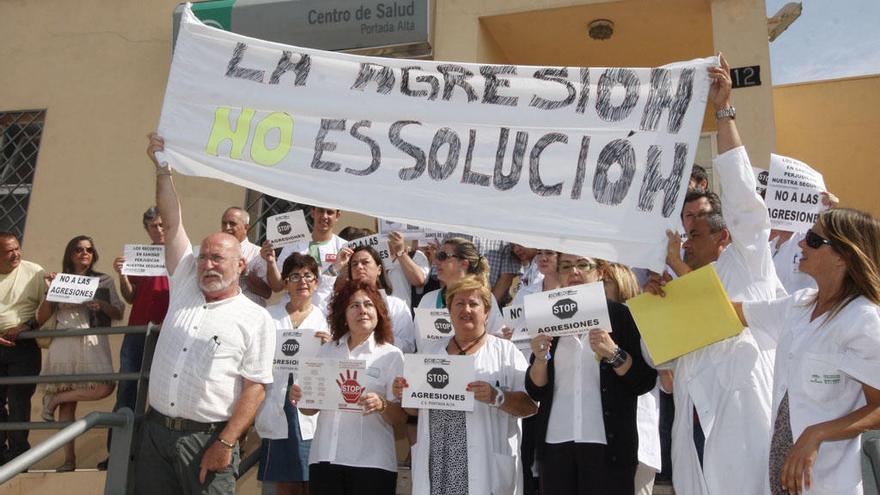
point(695, 313)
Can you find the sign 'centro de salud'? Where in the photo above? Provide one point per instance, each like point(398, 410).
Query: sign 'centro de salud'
point(592, 161)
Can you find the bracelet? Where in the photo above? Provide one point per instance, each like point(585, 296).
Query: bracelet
point(226, 444)
point(163, 173)
point(384, 405)
point(617, 360)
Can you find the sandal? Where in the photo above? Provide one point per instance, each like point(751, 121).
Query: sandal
point(66, 467)
point(48, 414)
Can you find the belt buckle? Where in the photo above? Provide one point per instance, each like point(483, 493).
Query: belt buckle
point(176, 424)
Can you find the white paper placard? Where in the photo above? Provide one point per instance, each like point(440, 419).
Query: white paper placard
point(287, 228)
point(570, 311)
point(515, 318)
point(331, 384)
point(291, 346)
point(410, 232)
point(72, 289)
point(379, 243)
point(438, 382)
point(432, 324)
point(144, 260)
point(793, 194)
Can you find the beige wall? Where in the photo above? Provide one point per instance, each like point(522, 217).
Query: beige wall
point(833, 127)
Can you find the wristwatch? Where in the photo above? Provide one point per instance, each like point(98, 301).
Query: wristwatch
point(226, 444)
point(728, 111)
point(617, 360)
point(499, 397)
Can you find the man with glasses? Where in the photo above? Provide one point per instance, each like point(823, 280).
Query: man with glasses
point(211, 364)
point(722, 392)
point(22, 289)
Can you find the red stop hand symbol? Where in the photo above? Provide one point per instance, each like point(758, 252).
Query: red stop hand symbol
point(351, 389)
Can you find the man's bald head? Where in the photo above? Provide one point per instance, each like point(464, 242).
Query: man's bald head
point(219, 266)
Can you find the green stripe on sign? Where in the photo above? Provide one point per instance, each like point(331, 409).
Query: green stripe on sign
point(215, 13)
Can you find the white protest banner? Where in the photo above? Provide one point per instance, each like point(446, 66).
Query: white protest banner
point(593, 161)
point(438, 382)
point(287, 228)
point(793, 194)
point(291, 346)
point(570, 311)
point(331, 383)
point(144, 260)
point(74, 289)
point(432, 325)
point(377, 242)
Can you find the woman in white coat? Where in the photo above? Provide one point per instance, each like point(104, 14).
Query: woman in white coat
point(827, 371)
point(462, 453)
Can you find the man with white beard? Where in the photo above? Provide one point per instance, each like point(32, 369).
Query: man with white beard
point(211, 363)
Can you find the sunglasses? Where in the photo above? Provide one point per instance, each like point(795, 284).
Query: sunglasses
point(815, 241)
point(583, 266)
point(443, 255)
point(80, 250)
point(296, 277)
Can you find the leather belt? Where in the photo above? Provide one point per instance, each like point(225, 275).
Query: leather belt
point(181, 424)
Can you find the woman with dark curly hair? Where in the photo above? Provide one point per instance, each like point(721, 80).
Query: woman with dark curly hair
point(354, 453)
point(78, 355)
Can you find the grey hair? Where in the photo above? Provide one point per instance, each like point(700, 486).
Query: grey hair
point(241, 211)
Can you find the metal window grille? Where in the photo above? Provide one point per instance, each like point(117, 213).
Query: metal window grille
point(262, 206)
point(20, 134)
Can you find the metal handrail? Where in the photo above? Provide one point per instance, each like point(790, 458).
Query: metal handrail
point(84, 377)
point(124, 419)
point(79, 332)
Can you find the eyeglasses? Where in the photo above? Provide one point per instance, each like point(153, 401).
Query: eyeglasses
point(815, 240)
point(443, 256)
point(296, 277)
point(215, 258)
point(582, 266)
point(81, 249)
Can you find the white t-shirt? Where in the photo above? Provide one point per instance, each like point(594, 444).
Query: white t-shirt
point(255, 264)
point(400, 285)
point(822, 365)
point(349, 438)
point(271, 421)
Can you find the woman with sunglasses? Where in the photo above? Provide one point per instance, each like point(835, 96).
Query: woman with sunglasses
point(587, 387)
point(456, 258)
point(353, 453)
point(365, 265)
point(78, 355)
point(286, 433)
point(826, 386)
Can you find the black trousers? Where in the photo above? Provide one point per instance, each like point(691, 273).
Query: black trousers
point(527, 454)
point(15, 400)
point(332, 479)
point(580, 469)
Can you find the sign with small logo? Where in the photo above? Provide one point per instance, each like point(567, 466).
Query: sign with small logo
point(332, 384)
point(74, 289)
point(438, 381)
point(144, 260)
point(743, 77)
point(793, 194)
point(432, 325)
point(570, 311)
point(291, 346)
point(287, 228)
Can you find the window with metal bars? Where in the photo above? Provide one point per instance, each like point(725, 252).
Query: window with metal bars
point(262, 206)
point(20, 134)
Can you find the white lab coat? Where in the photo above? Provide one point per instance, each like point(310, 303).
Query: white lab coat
point(730, 382)
point(822, 365)
point(786, 256)
point(327, 252)
point(493, 437)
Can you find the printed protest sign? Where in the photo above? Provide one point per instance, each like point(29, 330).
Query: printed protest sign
point(287, 228)
point(570, 311)
point(74, 289)
point(585, 160)
point(761, 176)
point(432, 325)
point(438, 382)
point(293, 345)
point(334, 384)
point(409, 231)
point(793, 194)
point(377, 242)
point(144, 260)
point(515, 318)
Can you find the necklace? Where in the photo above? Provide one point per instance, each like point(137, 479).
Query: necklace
point(463, 350)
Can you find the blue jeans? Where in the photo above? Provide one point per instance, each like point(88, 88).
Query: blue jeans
point(130, 357)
